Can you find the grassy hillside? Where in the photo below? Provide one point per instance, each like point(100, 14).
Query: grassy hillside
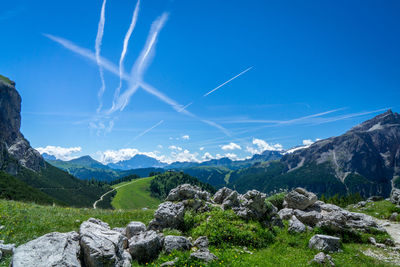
point(63, 186)
point(134, 195)
point(27, 221)
point(14, 189)
point(163, 183)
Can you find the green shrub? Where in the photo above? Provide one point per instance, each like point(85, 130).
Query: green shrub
point(277, 200)
point(226, 228)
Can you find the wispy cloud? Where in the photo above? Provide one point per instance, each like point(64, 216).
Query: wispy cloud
point(148, 130)
point(63, 153)
point(125, 49)
point(228, 81)
point(97, 47)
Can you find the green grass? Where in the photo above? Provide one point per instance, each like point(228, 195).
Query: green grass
point(287, 250)
point(134, 195)
point(380, 209)
point(26, 221)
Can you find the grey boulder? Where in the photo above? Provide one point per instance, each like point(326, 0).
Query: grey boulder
point(325, 243)
point(134, 228)
point(7, 249)
point(252, 206)
point(393, 216)
point(296, 226)
point(102, 246)
point(299, 198)
point(172, 242)
point(53, 249)
point(168, 215)
point(231, 201)
point(285, 213)
point(145, 246)
point(310, 218)
point(187, 191)
point(201, 243)
point(204, 255)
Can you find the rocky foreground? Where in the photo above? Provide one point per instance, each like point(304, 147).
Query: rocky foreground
point(97, 244)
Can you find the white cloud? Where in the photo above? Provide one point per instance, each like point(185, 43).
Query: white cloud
point(184, 156)
point(232, 156)
point(308, 142)
point(160, 146)
point(260, 146)
point(175, 148)
point(185, 137)
point(201, 148)
point(231, 146)
point(207, 156)
point(113, 156)
point(101, 127)
point(63, 153)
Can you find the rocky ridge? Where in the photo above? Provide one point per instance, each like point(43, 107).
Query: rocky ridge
point(97, 244)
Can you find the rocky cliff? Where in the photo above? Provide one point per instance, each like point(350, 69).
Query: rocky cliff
point(371, 150)
point(12, 142)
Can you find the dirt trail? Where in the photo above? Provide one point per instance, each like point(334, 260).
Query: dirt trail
point(393, 229)
point(108, 192)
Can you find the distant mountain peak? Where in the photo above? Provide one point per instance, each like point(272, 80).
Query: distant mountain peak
point(386, 119)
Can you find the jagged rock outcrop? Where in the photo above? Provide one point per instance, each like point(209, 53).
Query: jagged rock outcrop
point(134, 228)
point(322, 259)
point(202, 253)
point(296, 226)
point(12, 141)
point(54, 249)
point(221, 195)
point(168, 215)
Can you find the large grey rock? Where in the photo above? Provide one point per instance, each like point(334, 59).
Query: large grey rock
point(393, 216)
point(310, 218)
point(395, 196)
point(322, 259)
point(231, 201)
point(252, 206)
point(296, 226)
point(145, 246)
point(54, 249)
point(168, 215)
point(134, 228)
point(187, 191)
point(285, 213)
point(299, 198)
point(221, 195)
point(324, 243)
point(204, 255)
point(102, 246)
point(172, 242)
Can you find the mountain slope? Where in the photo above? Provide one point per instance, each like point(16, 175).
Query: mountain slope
point(20, 160)
point(365, 159)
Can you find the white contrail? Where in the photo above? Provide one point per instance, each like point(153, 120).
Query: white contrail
point(114, 69)
point(97, 48)
point(125, 49)
point(231, 79)
point(140, 64)
point(148, 130)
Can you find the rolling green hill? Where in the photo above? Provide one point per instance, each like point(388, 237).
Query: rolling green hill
point(134, 195)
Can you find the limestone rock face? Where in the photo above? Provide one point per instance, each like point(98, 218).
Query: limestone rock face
point(300, 199)
point(11, 139)
point(54, 249)
point(168, 215)
point(322, 259)
point(325, 243)
point(102, 246)
point(252, 206)
point(145, 246)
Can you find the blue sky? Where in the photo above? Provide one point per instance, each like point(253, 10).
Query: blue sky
point(318, 68)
